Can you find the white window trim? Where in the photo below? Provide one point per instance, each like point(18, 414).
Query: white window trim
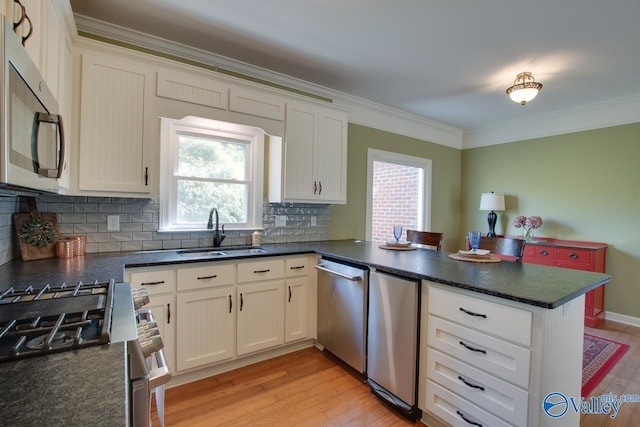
point(168, 167)
point(374, 155)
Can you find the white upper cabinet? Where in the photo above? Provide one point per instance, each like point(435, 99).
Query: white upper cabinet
point(32, 29)
point(116, 144)
point(193, 89)
point(313, 158)
point(257, 103)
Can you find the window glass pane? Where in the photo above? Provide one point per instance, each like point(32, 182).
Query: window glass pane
point(196, 198)
point(397, 199)
point(211, 158)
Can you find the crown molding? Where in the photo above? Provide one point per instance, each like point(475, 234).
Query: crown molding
point(587, 117)
point(361, 111)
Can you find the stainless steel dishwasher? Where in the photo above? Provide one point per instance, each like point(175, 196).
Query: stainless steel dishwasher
point(392, 355)
point(342, 311)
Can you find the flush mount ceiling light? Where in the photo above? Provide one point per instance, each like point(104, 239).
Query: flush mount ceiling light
point(524, 88)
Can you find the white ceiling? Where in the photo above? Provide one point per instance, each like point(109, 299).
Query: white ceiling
point(448, 61)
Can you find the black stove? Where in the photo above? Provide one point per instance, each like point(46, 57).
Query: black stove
point(39, 321)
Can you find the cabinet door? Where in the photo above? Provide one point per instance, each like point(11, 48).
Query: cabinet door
point(64, 103)
point(300, 131)
point(260, 316)
point(52, 29)
point(33, 44)
point(296, 309)
point(256, 102)
point(163, 309)
point(330, 155)
point(206, 327)
point(115, 152)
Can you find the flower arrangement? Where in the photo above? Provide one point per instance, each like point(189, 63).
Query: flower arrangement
point(528, 224)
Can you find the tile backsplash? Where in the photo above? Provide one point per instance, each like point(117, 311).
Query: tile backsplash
point(139, 219)
point(8, 243)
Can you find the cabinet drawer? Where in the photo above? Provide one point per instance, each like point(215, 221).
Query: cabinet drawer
point(155, 282)
point(544, 255)
point(496, 319)
point(204, 277)
point(299, 266)
point(498, 397)
point(574, 256)
point(260, 270)
point(500, 358)
point(457, 411)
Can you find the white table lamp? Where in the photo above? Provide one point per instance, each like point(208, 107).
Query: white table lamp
point(492, 202)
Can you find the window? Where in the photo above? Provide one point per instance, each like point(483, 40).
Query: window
point(206, 164)
point(398, 193)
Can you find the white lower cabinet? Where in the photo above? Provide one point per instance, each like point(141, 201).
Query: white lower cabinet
point(457, 411)
point(499, 397)
point(260, 316)
point(210, 313)
point(489, 361)
point(296, 309)
point(206, 327)
point(206, 318)
point(477, 368)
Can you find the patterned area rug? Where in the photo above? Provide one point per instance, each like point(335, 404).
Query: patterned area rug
point(599, 356)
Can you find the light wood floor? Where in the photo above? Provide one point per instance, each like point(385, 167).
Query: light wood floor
point(306, 388)
point(624, 378)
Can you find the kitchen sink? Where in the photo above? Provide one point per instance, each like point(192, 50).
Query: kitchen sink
point(218, 253)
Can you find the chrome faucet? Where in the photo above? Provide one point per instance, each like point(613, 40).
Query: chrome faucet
point(218, 237)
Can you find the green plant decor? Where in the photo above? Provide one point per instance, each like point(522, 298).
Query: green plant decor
point(38, 232)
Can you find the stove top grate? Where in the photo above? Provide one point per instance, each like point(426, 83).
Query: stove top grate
point(39, 321)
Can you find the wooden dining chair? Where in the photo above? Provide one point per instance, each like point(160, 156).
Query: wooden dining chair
point(503, 246)
point(426, 238)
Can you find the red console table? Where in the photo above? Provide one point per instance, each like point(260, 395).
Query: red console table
point(589, 256)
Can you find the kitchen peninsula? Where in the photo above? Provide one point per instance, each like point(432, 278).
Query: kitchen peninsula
point(533, 316)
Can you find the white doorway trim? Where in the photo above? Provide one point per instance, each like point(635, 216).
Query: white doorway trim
point(374, 155)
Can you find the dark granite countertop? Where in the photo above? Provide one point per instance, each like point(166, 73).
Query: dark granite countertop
point(542, 286)
point(60, 375)
point(43, 391)
point(537, 285)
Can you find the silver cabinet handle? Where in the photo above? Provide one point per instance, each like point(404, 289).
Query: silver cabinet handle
point(335, 273)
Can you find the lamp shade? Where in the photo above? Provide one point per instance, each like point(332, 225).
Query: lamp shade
point(491, 202)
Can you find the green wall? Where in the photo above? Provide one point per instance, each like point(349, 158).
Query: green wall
point(348, 221)
point(585, 186)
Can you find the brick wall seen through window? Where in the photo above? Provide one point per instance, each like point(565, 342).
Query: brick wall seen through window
point(396, 198)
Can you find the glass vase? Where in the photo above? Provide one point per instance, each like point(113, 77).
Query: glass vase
point(528, 234)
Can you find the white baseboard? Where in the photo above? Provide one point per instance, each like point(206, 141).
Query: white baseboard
point(622, 318)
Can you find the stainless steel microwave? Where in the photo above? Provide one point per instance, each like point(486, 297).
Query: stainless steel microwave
point(32, 138)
